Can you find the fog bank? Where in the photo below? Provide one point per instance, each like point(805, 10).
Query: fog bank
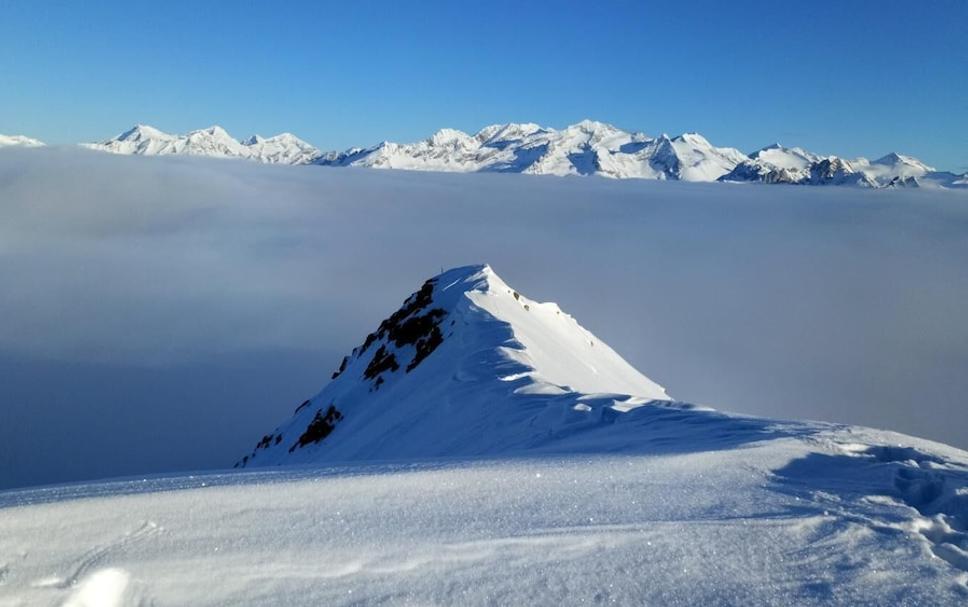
point(163, 313)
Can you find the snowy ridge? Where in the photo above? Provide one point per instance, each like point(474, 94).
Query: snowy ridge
point(597, 148)
point(467, 366)
point(778, 164)
point(214, 141)
point(19, 141)
point(585, 148)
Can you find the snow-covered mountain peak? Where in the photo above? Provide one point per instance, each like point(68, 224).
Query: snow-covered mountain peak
point(213, 131)
point(507, 132)
point(141, 132)
point(19, 141)
point(466, 365)
point(592, 126)
point(893, 159)
point(285, 137)
point(693, 139)
point(595, 132)
point(452, 138)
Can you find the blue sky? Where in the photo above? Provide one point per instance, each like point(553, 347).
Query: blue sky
point(851, 78)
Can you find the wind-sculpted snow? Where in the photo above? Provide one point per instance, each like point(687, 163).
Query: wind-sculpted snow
point(666, 505)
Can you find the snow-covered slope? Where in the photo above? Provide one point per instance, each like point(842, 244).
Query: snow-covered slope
point(585, 148)
point(467, 366)
point(19, 140)
point(680, 507)
point(578, 498)
point(213, 141)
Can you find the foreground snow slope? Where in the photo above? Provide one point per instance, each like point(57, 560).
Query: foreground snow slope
point(666, 505)
point(575, 496)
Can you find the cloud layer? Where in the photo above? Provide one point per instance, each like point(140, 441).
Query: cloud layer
point(161, 313)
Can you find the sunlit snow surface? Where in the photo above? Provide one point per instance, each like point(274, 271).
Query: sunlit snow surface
point(704, 509)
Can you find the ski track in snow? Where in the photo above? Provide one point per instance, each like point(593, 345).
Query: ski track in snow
point(98, 554)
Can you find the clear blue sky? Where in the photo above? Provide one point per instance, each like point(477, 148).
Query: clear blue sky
point(852, 77)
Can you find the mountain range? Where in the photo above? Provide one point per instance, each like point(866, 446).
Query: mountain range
point(214, 141)
point(585, 148)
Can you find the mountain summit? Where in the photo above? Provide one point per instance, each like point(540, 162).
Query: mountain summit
point(466, 366)
point(19, 141)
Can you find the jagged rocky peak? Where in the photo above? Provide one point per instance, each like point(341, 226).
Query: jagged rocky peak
point(463, 352)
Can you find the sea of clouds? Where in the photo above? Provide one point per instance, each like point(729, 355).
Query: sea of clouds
point(161, 314)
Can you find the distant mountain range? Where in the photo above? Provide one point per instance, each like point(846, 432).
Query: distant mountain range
point(585, 148)
point(214, 141)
